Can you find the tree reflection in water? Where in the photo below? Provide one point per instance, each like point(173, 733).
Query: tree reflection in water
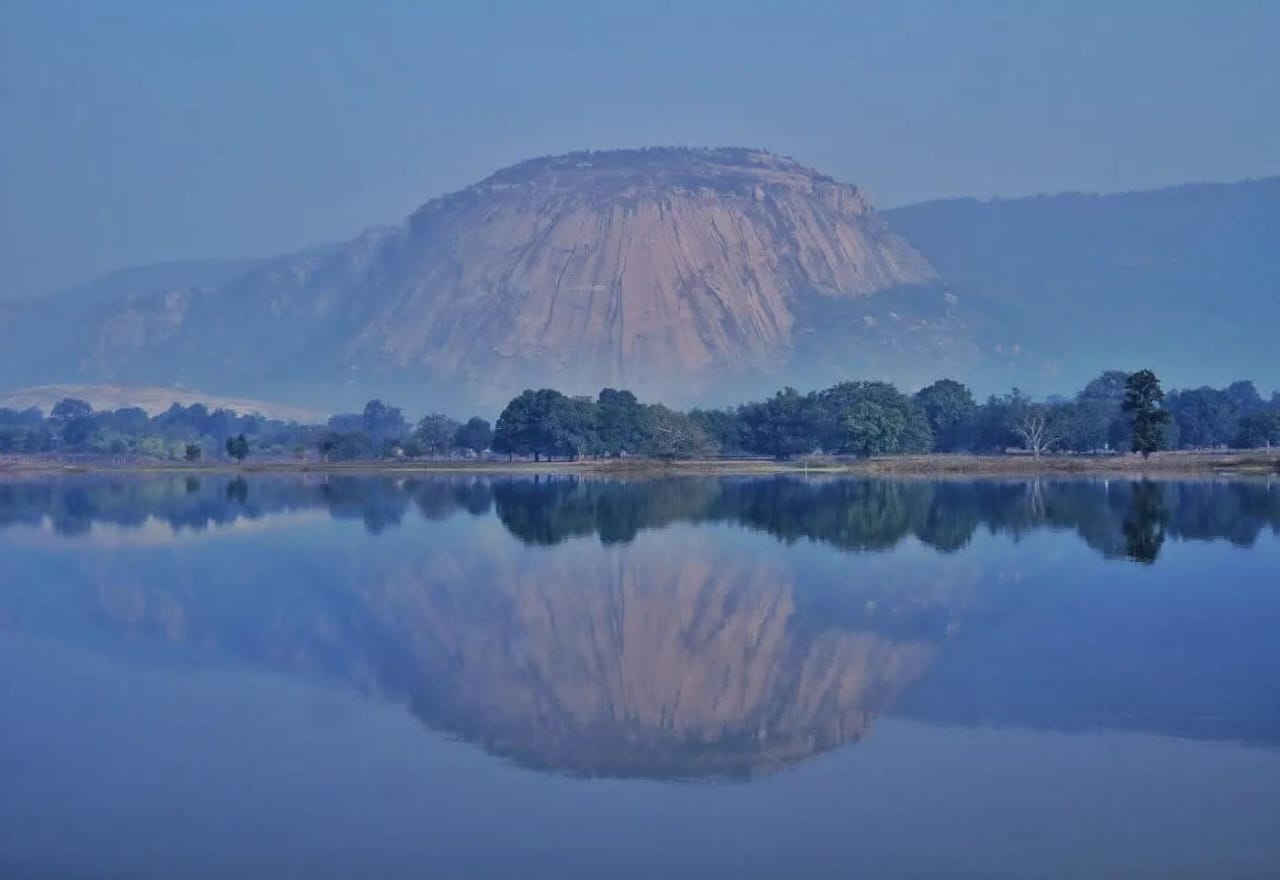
point(673, 655)
point(1118, 518)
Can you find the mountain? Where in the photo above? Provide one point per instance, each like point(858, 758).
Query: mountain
point(686, 274)
point(1185, 280)
point(690, 276)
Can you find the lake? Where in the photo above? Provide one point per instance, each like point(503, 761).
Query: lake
point(309, 676)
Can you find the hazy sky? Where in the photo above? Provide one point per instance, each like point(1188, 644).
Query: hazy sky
point(133, 132)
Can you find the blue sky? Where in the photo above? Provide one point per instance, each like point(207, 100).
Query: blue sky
point(132, 132)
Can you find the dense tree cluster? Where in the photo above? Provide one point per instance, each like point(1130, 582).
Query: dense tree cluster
point(1115, 412)
point(546, 423)
point(382, 431)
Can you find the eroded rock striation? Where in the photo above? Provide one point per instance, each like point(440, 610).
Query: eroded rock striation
point(676, 272)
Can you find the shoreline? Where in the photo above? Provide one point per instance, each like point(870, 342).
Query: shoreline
point(1161, 464)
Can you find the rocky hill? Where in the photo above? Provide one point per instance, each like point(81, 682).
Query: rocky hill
point(690, 276)
point(683, 273)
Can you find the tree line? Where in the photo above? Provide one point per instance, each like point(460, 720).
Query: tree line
point(1114, 412)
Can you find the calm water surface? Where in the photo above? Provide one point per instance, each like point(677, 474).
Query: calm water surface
point(351, 677)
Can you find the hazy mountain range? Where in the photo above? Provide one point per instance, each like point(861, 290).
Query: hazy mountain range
point(692, 276)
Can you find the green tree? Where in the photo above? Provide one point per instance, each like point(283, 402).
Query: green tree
point(476, 435)
point(675, 435)
point(436, 434)
point(1261, 429)
point(1109, 386)
point(344, 445)
point(383, 423)
point(871, 428)
point(1142, 399)
point(517, 427)
point(74, 422)
point(893, 419)
point(192, 452)
point(1097, 421)
point(723, 427)
point(622, 426)
point(783, 426)
point(70, 408)
point(1205, 416)
point(1244, 397)
point(573, 427)
point(949, 408)
point(546, 422)
point(238, 447)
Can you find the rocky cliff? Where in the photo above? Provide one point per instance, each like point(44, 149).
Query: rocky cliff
point(677, 272)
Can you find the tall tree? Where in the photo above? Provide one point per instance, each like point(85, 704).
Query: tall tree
point(70, 408)
point(516, 430)
point(676, 435)
point(475, 435)
point(1244, 397)
point(948, 407)
point(1142, 398)
point(383, 423)
point(723, 427)
point(871, 428)
point(1097, 421)
point(621, 421)
point(1034, 425)
point(238, 447)
point(782, 426)
point(436, 434)
point(1261, 429)
point(1205, 416)
point(546, 422)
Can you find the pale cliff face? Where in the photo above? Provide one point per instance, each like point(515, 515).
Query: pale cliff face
point(627, 268)
point(676, 272)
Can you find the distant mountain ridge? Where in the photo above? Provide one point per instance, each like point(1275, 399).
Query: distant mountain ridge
point(1184, 279)
point(691, 276)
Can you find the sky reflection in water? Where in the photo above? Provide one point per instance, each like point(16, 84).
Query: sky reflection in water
point(353, 675)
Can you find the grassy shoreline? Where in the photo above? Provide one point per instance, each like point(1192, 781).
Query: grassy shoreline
point(1254, 462)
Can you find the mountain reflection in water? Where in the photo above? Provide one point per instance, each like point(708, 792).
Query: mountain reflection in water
point(682, 653)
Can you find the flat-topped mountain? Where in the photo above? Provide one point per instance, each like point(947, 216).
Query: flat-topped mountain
point(691, 276)
point(678, 272)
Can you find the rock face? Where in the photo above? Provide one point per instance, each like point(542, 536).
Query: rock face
point(675, 272)
point(611, 267)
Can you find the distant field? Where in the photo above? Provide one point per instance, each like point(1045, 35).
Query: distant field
point(152, 399)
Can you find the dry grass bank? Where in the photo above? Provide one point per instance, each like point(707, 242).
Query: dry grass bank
point(1256, 462)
